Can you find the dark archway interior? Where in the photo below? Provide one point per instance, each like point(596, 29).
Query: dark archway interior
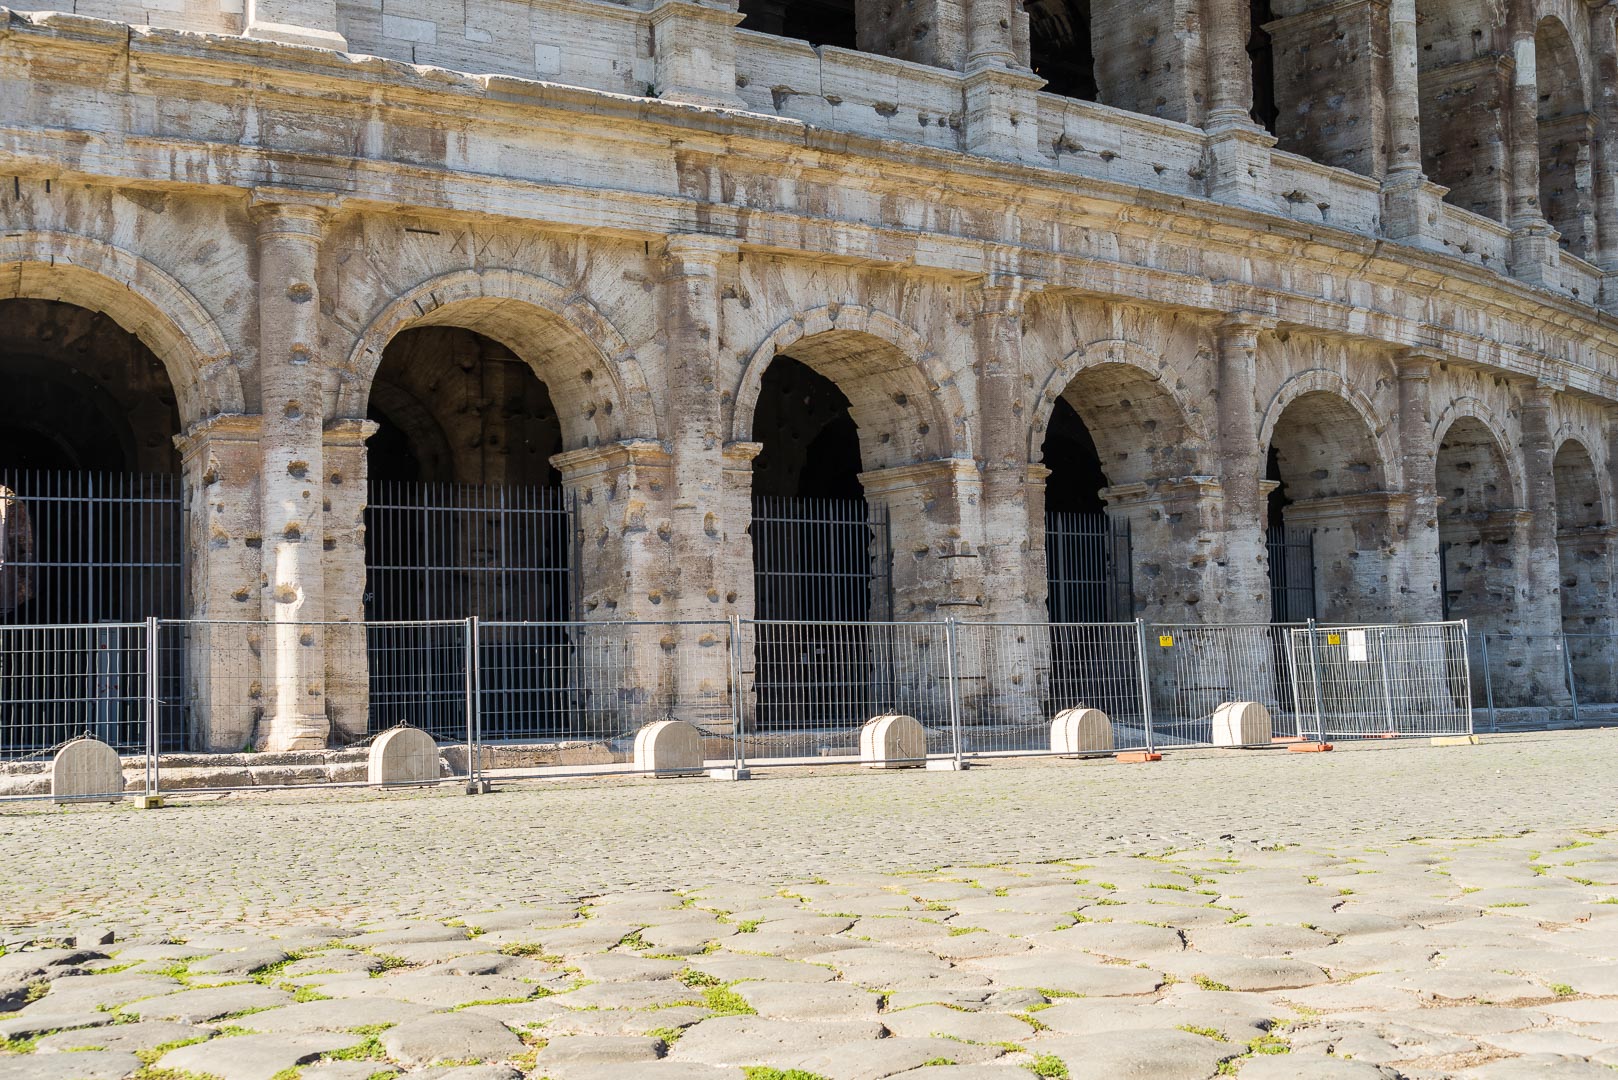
point(81, 392)
point(456, 406)
point(1261, 53)
point(1060, 49)
point(1076, 479)
point(1278, 499)
point(90, 507)
point(811, 446)
point(819, 22)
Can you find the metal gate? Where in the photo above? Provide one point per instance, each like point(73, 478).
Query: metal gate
point(1292, 574)
point(82, 556)
point(821, 569)
point(453, 551)
point(1088, 560)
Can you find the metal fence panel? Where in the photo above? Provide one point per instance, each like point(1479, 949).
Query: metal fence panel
point(1195, 669)
point(1016, 677)
point(567, 699)
point(59, 683)
point(218, 676)
point(1383, 681)
point(884, 668)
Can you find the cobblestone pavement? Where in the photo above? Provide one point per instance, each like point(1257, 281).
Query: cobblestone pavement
point(1402, 911)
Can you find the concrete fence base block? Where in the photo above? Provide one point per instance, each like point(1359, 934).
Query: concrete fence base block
point(87, 769)
point(893, 742)
point(1138, 757)
point(1242, 723)
point(403, 756)
point(1081, 732)
point(730, 772)
point(1455, 740)
point(947, 764)
point(669, 748)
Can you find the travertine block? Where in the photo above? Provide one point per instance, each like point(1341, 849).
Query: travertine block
point(86, 768)
point(893, 742)
point(1242, 723)
point(668, 748)
point(404, 755)
point(1081, 731)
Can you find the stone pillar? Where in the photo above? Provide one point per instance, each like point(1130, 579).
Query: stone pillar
point(921, 31)
point(348, 680)
point(991, 33)
point(1149, 57)
point(1227, 26)
point(1175, 526)
point(1016, 660)
point(932, 514)
point(1540, 614)
point(1411, 204)
point(295, 22)
point(694, 49)
point(1358, 563)
point(291, 469)
point(1533, 243)
point(703, 530)
point(626, 557)
point(1007, 523)
point(1002, 113)
point(1241, 470)
point(219, 459)
point(1419, 597)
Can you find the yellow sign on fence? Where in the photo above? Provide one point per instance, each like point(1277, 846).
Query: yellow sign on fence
point(1334, 639)
point(1166, 641)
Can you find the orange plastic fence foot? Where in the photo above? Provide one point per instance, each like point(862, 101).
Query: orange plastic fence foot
point(1134, 756)
point(1309, 747)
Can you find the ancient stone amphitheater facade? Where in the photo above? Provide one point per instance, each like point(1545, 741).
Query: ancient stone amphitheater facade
point(1350, 263)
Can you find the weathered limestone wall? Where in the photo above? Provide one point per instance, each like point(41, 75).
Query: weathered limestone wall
point(648, 260)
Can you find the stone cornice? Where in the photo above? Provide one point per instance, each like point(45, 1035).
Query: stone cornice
point(213, 70)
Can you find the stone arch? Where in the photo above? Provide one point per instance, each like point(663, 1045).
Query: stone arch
point(1475, 409)
point(1565, 137)
point(594, 377)
point(903, 399)
point(145, 300)
point(1122, 371)
point(1580, 503)
point(1332, 399)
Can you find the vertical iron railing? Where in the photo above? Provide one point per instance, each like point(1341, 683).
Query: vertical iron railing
point(503, 554)
point(1292, 574)
point(822, 575)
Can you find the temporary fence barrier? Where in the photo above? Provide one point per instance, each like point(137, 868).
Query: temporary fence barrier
point(1382, 681)
point(193, 702)
point(1525, 681)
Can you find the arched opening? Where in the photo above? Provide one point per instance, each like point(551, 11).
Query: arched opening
point(1331, 486)
point(466, 517)
point(1566, 132)
point(91, 522)
point(1261, 57)
point(1060, 49)
point(820, 555)
point(1481, 545)
point(1087, 556)
point(819, 22)
point(1583, 538)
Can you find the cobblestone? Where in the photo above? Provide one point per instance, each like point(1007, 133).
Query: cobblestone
point(1355, 918)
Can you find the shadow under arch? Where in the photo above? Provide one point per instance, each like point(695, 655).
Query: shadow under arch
point(139, 296)
point(594, 378)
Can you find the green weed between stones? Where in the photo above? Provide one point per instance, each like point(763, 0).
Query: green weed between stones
point(1048, 1065)
point(1205, 983)
point(723, 1001)
point(765, 1072)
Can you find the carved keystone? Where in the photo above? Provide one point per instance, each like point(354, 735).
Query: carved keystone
point(86, 769)
point(1242, 723)
point(403, 756)
point(893, 742)
point(668, 748)
point(1076, 732)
